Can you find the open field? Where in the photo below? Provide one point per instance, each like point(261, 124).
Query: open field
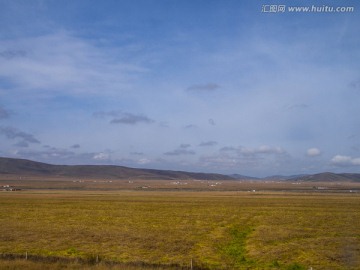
point(95, 184)
point(154, 229)
point(218, 231)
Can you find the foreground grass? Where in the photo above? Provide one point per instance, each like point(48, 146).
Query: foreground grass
point(36, 265)
point(214, 230)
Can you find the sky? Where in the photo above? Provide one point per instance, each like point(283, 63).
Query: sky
point(216, 86)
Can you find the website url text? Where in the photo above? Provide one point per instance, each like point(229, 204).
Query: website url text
point(305, 9)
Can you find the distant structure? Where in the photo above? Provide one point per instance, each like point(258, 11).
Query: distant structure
point(9, 188)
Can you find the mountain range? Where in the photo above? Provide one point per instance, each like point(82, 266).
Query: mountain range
point(12, 166)
point(33, 168)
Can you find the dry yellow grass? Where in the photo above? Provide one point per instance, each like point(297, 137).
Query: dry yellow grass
point(217, 230)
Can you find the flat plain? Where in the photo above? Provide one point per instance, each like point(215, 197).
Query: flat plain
point(98, 224)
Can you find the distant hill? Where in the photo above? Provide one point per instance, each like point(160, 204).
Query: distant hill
point(243, 177)
point(276, 177)
point(27, 167)
point(320, 177)
point(24, 167)
point(284, 177)
point(329, 177)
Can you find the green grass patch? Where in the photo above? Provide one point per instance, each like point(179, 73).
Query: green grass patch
point(296, 266)
point(234, 250)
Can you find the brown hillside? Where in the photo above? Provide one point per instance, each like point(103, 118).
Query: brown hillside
point(28, 167)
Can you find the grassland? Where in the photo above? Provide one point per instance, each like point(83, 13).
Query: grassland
point(169, 230)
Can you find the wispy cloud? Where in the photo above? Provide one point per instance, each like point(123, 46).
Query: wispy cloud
point(261, 159)
point(61, 62)
point(13, 133)
point(22, 144)
point(10, 54)
point(119, 117)
point(57, 155)
point(4, 113)
point(228, 148)
point(190, 126)
point(296, 106)
point(103, 114)
point(209, 143)
point(48, 154)
point(247, 151)
point(212, 122)
point(207, 87)
point(131, 119)
point(178, 152)
point(183, 149)
point(185, 145)
point(355, 84)
point(137, 153)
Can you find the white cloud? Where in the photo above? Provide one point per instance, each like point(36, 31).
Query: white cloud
point(101, 156)
point(143, 161)
point(340, 160)
point(261, 150)
point(313, 152)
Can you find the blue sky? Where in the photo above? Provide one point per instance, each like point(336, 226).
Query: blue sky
point(211, 86)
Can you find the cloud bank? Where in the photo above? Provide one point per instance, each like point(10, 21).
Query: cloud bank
point(345, 161)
